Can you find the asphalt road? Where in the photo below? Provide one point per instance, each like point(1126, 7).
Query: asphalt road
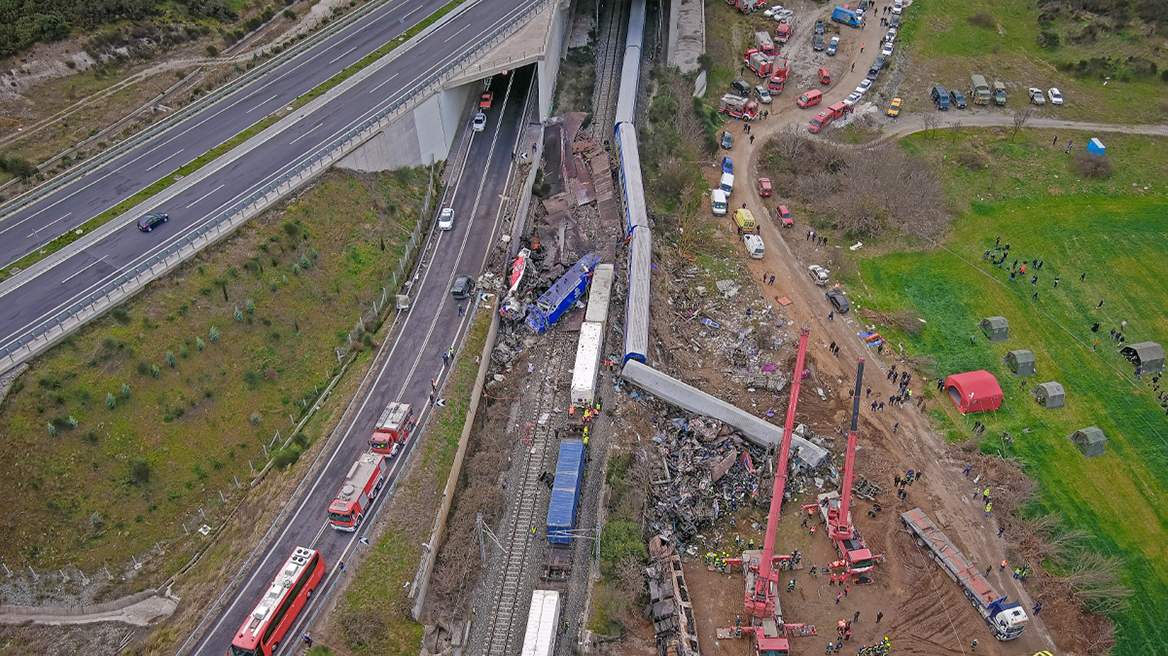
point(36, 301)
point(412, 360)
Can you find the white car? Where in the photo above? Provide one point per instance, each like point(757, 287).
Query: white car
point(897, 7)
point(818, 274)
point(891, 36)
point(446, 219)
point(764, 96)
point(479, 122)
point(853, 98)
point(1056, 97)
point(865, 84)
point(1036, 97)
point(785, 16)
point(886, 51)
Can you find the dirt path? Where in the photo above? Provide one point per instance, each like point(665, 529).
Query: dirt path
point(143, 613)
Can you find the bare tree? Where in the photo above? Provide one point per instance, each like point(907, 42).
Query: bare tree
point(931, 121)
point(1021, 117)
point(954, 130)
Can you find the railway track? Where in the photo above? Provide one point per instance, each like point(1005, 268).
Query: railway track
point(610, 54)
point(511, 590)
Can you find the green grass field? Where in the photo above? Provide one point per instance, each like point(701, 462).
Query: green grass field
point(946, 49)
point(281, 294)
point(1114, 232)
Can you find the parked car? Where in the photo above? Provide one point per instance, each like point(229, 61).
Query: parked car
point(819, 26)
point(833, 46)
point(1056, 96)
point(837, 300)
point(764, 96)
point(818, 274)
point(149, 221)
point(817, 42)
point(463, 287)
point(891, 35)
point(446, 219)
point(895, 20)
point(784, 215)
point(956, 99)
point(1036, 97)
point(740, 87)
point(940, 97)
point(897, 7)
point(886, 49)
point(894, 107)
point(824, 76)
point(479, 122)
point(764, 187)
point(853, 98)
point(727, 140)
point(865, 84)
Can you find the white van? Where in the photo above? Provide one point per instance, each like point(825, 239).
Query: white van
point(718, 200)
point(727, 184)
point(754, 246)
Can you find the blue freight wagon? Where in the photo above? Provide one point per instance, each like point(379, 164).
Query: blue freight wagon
point(548, 308)
point(561, 517)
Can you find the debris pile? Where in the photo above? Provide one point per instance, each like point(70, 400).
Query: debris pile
point(670, 603)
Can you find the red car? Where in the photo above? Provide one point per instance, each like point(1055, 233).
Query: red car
point(764, 187)
point(485, 100)
point(785, 216)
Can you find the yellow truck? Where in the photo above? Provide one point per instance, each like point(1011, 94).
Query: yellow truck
point(744, 219)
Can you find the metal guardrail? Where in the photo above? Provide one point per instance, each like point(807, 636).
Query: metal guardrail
point(129, 281)
point(119, 149)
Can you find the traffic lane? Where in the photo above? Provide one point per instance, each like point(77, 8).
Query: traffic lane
point(357, 41)
point(126, 183)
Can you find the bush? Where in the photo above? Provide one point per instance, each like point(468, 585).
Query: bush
point(1047, 39)
point(52, 429)
point(255, 417)
point(285, 457)
point(983, 19)
point(238, 315)
point(110, 401)
point(143, 369)
point(1089, 166)
point(155, 371)
point(621, 538)
point(18, 167)
point(121, 315)
point(251, 377)
point(200, 344)
point(249, 306)
point(213, 334)
point(139, 472)
point(212, 51)
point(125, 391)
point(171, 361)
point(289, 14)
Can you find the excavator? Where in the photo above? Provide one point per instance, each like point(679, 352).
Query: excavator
point(771, 635)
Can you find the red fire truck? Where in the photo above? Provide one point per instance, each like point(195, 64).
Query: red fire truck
point(393, 428)
point(738, 107)
point(781, 71)
point(265, 627)
point(360, 488)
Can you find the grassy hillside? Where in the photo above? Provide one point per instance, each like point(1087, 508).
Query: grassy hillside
point(1113, 232)
point(175, 392)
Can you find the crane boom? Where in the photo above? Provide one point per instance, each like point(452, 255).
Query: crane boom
point(841, 525)
point(768, 549)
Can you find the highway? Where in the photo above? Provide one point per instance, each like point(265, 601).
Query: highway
point(411, 360)
point(29, 303)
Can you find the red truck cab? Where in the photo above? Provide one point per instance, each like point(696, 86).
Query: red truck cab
point(812, 97)
point(393, 428)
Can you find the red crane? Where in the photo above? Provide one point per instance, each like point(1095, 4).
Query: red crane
point(835, 507)
point(762, 582)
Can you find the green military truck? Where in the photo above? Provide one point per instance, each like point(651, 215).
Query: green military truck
point(979, 91)
point(999, 93)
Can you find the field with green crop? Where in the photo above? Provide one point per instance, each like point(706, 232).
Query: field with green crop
point(117, 438)
point(1112, 231)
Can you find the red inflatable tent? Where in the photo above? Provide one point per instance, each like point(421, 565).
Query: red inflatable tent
point(974, 391)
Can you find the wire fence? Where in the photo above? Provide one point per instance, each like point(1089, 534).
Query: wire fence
point(55, 327)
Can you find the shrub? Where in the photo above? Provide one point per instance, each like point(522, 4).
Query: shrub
point(52, 429)
point(255, 417)
point(110, 401)
point(212, 51)
point(238, 315)
point(143, 368)
point(619, 539)
point(155, 371)
point(983, 19)
point(274, 286)
point(121, 315)
point(1047, 39)
point(213, 334)
point(139, 472)
point(184, 351)
point(251, 377)
point(249, 306)
point(1090, 166)
point(18, 167)
point(285, 457)
point(171, 361)
point(305, 262)
point(289, 14)
point(125, 391)
point(200, 344)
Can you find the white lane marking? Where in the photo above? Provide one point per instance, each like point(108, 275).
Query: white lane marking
point(83, 270)
point(204, 196)
point(456, 33)
point(306, 133)
point(42, 227)
point(161, 161)
point(385, 82)
point(262, 104)
point(334, 59)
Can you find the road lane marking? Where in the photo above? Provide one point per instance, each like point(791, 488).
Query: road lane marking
point(334, 59)
point(306, 133)
point(456, 33)
point(385, 82)
point(262, 104)
point(204, 196)
point(160, 162)
point(84, 269)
